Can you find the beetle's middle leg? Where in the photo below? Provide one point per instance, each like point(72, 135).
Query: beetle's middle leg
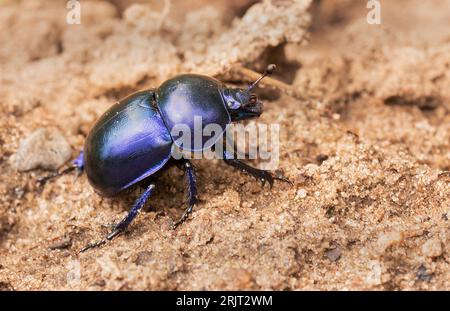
point(124, 223)
point(192, 190)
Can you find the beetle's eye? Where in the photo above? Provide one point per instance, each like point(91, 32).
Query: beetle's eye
point(233, 104)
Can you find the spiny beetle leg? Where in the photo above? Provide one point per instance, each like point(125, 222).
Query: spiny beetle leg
point(124, 223)
point(192, 191)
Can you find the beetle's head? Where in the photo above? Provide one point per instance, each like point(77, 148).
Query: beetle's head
point(242, 103)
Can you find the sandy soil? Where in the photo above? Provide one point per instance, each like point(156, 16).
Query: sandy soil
point(365, 138)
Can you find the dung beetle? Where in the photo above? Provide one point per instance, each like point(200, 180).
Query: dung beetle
point(132, 141)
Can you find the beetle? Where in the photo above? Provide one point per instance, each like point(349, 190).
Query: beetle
point(132, 141)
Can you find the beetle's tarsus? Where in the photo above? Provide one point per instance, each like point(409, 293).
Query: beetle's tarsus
point(261, 175)
point(284, 179)
point(114, 233)
point(99, 243)
point(264, 176)
point(182, 218)
point(93, 245)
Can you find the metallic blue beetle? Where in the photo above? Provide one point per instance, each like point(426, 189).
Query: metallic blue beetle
point(132, 140)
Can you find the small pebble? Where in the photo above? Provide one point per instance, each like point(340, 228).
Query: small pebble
point(301, 193)
point(333, 254)
point(311, 169)
point(45, 148)
point(321, 158)
point(432, 248)
point(388, 239)
point(423, 275)
point(61, 244)
point(100, 282)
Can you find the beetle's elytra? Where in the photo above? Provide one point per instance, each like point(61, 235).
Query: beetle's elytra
point(132, 141)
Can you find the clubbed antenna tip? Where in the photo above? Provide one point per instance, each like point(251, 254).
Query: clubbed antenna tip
point(269, 70)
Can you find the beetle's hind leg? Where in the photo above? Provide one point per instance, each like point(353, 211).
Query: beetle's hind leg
point(124, 223)
point(76, 165)
point(192, 191)
point(262, 175)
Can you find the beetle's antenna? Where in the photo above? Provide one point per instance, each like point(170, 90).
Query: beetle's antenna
point(269, 70)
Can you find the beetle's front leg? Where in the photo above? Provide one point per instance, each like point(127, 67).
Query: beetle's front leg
point(262, 175)
point(192, 190)
point(77, 164)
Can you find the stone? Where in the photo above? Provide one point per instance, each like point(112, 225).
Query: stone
point(45, 148)
point(432, 248)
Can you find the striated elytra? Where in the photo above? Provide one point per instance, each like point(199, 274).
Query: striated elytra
point(133, 140)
